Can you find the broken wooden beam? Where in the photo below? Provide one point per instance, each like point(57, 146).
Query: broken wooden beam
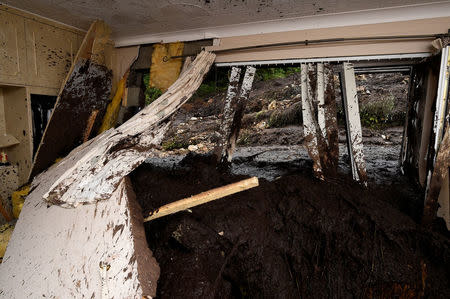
point(103, 161)
point(233, 112)
point(353, 123)
point(202, 198)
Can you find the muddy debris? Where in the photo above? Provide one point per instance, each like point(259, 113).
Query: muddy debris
point(294, 237)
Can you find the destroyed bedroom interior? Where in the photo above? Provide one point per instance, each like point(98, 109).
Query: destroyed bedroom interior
point(224, 149)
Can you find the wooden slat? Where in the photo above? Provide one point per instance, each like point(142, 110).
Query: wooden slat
point(202, 198)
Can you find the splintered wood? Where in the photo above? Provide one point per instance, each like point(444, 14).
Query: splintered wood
point(202, 198)
point(106, 159)
point(321, 132)
point(233, 112)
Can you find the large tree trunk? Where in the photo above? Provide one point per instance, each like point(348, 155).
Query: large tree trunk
point(97, 249)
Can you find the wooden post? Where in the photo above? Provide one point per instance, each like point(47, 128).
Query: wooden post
point(233, 112)
point(353, 123)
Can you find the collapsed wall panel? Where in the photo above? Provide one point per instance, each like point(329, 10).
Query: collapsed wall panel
point(81, 102)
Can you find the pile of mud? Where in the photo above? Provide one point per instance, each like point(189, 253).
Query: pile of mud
point(292, 237)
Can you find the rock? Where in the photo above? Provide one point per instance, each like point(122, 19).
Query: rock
point(192, 148)
point(272, 106)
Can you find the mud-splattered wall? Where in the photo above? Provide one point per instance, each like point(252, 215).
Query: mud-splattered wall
point(35, 56)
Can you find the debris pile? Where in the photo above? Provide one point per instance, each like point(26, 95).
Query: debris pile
point(293, 237)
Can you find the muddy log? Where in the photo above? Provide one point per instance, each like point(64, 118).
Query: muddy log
point(233, 112)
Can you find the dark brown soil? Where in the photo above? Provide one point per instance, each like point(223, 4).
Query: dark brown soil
point(295, 237)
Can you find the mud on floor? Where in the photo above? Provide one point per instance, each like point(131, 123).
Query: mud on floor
point(292, 237)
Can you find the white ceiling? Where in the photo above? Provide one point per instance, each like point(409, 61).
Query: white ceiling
point(131, 18)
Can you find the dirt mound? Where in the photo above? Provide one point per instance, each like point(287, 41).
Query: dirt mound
point(293, 237)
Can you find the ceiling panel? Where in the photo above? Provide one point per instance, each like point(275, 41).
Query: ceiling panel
point(132, 18)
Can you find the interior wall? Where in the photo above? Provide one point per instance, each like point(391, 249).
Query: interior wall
point(35, 56)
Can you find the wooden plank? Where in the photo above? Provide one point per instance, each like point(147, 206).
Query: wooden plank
point(4, 213)
point(353, 123)
point(233, 112)
point(116, 152)
point(87, 88)
point(202, 198)
point(58, 252)
point(165, 70)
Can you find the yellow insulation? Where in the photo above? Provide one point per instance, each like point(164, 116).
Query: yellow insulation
point(165, 70)
point(5, 234)
point(18, 198)
point(112, 111)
